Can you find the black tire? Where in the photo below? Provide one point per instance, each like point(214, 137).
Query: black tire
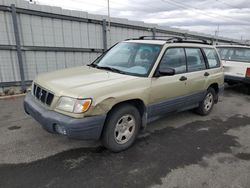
point(231, 83)
point(204, 108)
point(114, 120)
point(248, 89)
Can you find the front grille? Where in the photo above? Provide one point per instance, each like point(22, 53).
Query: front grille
point(42, 94)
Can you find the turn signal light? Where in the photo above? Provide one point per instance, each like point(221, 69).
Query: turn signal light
point(85, 105)
point(82, 105)
point(248, 72)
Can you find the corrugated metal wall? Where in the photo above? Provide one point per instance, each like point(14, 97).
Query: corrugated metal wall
point(78, 35)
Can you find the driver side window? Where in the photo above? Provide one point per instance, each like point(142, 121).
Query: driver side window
point(174, 58)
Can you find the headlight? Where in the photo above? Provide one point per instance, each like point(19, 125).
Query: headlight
point(73, 105)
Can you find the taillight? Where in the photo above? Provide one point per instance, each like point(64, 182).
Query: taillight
point(248, 72)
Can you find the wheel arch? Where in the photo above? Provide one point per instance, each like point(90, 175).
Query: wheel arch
point(139, 104)
point(215, 86)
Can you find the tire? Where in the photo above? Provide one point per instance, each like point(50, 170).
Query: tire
point(248, 89)
point(231, 83)
point(121, 128)
point(206, 105)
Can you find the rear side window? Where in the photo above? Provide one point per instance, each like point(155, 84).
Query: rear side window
point(234, 54)
point(174, 58)
point(222, 52)
point(212, 57)
point(195, 60)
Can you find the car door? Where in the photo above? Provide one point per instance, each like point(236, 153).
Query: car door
point(196, 76)
point(166, 92)
point(215, 70)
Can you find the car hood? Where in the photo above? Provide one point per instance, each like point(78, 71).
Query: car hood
point(74, 81)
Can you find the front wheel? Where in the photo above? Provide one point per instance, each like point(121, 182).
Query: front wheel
point(207, 103)
point(121, 128)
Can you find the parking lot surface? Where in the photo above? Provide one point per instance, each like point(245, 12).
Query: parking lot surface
point(179, 150)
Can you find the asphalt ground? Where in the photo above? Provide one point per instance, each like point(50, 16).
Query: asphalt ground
point(181, 150)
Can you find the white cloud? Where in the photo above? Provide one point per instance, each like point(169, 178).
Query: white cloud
point(195, 15)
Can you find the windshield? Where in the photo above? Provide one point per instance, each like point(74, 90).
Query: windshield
point(234, 54)
point(129, 58)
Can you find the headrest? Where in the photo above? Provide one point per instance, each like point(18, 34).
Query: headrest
point(145, 54)
point(192, 59)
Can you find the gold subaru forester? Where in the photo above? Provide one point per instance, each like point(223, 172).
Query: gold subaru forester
point(134, 82)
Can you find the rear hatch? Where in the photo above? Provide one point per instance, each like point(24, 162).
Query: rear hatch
point(235, 68)
point(235, 59)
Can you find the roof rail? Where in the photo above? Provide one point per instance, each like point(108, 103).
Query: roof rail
point(158, 36)
point(176, 39)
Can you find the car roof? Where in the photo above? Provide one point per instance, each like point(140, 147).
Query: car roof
point(232, 46)
point(171, 44)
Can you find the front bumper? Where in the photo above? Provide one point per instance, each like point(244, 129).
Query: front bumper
point(85, 128)
point(236, 79)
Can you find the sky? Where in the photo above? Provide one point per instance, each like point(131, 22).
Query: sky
point(227, 18)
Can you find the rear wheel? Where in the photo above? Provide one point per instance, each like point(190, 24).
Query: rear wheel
point(121, 128)
point(231, 83)
point(206, 105)
point(248, 88)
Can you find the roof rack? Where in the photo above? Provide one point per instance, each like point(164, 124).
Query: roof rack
point(159, 36)
point(176, 39)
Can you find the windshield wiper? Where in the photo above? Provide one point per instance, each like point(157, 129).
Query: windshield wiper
point(110, 69)
point(92, 65)
point(106, 68)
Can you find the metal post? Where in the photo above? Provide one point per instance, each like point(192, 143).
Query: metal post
point(109, 14)
point(104, 31)
point(185, 36)
point(212, 41)
point(109, 26)
point(18, 46)
point(154, 32)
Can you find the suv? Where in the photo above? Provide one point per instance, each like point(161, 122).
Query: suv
point(134, 82)
point(236, 62)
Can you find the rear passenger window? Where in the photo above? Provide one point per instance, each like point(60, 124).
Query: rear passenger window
point(174, 58)
point(195, 60)
point(212, 57)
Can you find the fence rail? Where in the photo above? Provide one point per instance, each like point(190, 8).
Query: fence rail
point(35, 39)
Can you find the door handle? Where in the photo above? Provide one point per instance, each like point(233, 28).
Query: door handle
point(183, 78)
point(206, 74)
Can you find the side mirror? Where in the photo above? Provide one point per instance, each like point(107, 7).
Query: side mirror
point(165, 72)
